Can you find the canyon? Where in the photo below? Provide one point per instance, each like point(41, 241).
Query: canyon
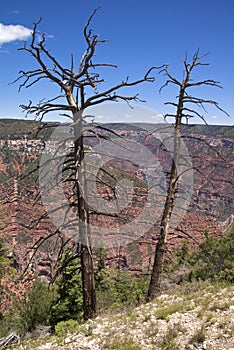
point(24, 221)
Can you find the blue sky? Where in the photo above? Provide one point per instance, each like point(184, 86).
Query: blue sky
point(140, 34)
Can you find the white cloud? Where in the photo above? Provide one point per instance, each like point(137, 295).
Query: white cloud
point(12, 32)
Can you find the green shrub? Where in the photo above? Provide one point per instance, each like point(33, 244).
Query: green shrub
point(30, 311)
point(116, 288)
point(4, 261)
point(7, 324)
point(33, 310)
point(214, 259)
point(42, 305)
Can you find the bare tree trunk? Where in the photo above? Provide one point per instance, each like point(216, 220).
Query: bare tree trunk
point(89, 293)
point(160, 251)
point(87, 268)
point(15, 210)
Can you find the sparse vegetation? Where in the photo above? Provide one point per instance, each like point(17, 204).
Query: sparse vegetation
point(199, 336)
point(168, 323)
point(178, 306)
point(120, 291)
point(168, 342)
point(123, 343)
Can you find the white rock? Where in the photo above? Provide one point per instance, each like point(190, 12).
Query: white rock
point(67, 340)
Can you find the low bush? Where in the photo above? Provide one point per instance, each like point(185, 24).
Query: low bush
point(34, 308)
point(63, 328)
point(214, 259)
point(30, 311)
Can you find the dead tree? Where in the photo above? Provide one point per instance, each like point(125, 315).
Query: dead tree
point(79, 90)
point(11, 340)
point(187, 106)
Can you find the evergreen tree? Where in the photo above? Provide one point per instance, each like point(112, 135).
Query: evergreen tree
point(68, 303)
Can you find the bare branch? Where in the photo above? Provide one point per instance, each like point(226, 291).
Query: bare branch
point(206, 82)
point(106, 95)
point(201, 102)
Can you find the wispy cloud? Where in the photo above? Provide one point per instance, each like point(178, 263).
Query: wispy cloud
point(4, 51)
point(12, 32)
point(156, 116)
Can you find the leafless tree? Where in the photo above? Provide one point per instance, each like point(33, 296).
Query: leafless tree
point(79, 88)
point(187, 106)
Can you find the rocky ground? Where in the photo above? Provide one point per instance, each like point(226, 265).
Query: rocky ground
point(195, 316)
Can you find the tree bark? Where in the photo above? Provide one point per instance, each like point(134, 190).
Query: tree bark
point(89, 293)
point(87, 268)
